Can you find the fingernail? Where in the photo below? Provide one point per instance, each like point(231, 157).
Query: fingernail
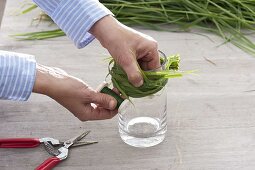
point(112, 104)
point(139, 84)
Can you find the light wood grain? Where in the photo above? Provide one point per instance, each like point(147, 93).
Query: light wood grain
point(211, 115)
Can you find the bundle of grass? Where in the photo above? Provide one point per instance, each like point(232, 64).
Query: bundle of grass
point(154, 80)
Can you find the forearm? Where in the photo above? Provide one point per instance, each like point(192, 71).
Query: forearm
point(48, 80)
point(43, 80)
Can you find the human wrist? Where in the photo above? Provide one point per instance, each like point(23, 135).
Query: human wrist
point(45, 81)
point(105, 29)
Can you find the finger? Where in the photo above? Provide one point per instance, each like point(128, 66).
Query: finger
point(148, 54)
point(104, 100)
point(154, 61)
point(116, 90)
point(130, 66)
point(150, 61)
point(143, 64)
point(96, 113)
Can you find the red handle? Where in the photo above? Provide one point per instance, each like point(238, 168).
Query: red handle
point(49, 164)
point(19, 143)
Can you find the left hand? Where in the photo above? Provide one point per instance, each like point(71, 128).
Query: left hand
point(74, 94)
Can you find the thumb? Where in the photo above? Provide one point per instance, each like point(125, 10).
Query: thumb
point(104, 100)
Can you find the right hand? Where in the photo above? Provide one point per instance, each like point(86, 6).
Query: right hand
point(128, 47)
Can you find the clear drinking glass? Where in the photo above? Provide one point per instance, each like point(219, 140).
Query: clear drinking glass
point(143, 122)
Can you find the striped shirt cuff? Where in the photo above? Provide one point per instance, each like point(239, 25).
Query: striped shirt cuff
point(75, 17)
point(17, 75)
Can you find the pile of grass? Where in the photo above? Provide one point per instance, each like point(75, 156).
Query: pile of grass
point(230, 19)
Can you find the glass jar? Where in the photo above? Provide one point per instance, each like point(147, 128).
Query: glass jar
point(143, 121)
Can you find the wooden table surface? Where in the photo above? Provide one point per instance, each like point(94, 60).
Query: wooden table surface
point(211, 116)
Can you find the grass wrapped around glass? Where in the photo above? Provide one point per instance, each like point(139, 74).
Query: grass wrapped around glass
point(154, 81)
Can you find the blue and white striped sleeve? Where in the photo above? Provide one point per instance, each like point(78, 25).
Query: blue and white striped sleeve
point(17, 75)
point(75, 17)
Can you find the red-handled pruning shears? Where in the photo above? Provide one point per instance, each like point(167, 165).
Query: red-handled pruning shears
point(49, 144)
